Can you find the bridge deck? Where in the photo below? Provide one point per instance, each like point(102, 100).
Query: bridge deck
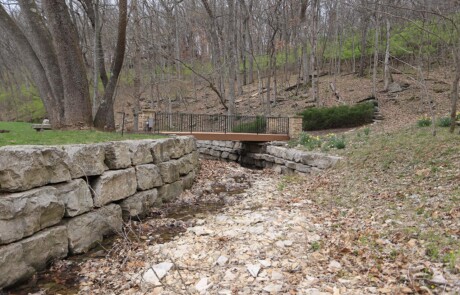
point(233, 136)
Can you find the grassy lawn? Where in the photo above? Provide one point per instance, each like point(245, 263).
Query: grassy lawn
point(23, 134)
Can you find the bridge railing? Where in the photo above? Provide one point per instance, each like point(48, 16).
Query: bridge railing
point(180, 122)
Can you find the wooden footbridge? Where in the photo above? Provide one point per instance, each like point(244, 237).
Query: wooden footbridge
point(224, 127)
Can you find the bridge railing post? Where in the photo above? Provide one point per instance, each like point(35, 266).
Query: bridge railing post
point(295, 127)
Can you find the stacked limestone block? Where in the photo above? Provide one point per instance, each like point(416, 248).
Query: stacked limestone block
point(273, 155)
point(60, 200)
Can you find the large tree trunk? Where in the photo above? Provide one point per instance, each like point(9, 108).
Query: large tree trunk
point(248, 46)
point(137, 64)
point(77, 105)
point(232, 58)
point(42, 43)
point(105, 118)
point(97, 27)
point(52, 105)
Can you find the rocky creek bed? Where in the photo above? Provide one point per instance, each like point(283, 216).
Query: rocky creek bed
point(238, 231)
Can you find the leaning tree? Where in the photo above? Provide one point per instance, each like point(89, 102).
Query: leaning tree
point(48, 42)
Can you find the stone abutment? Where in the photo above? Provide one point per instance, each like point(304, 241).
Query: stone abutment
point(61, 200)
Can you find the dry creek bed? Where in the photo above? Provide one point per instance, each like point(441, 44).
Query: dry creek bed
point(237, 231)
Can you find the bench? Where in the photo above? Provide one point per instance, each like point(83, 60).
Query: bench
point(41, 127)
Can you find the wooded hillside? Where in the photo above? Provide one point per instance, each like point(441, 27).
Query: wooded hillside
point(85, 60)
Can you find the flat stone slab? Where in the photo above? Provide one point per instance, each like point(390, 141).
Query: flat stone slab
point(113, 186)
point(23, 214)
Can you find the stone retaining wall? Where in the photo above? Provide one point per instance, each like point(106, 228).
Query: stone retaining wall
point(56, 201)
point(268, 155)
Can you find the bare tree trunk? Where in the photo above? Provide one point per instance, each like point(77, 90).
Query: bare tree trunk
point(428, 98)
point(376, 52)
point(176, 42)
point(96, 100)
point(232, 58)
point(92, 14)
point(77, 104)
point(53, 106)
point(313, 59)
point(42, 43)
point(248, 46)
point(137, 64)
point(105, 118)
point(387, 79)
point(454, 93)
point(363, 49)
point(353, 52)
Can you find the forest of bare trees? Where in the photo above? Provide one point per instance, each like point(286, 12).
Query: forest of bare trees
point(75, 54)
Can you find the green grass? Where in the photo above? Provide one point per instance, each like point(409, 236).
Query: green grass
point(23, 134)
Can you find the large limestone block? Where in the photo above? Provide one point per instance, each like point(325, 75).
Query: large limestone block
point(148, 176)
point(13, 268)
point(86, 159)
point(139, 204)
point(268, 158)
point(277, 151)
point(190, 144)
point(141, 151)
point(113, 186)
point(171, 191)
point(303, 168)
point(76, 197)
point(187, 163)
point(169, 171)
point(22, 214)
point(318, 160)
point(26, 167)
point(117, 154)
point(160, 150)
point(294, 155)
point(214, 153)
point(188, 180)
point(87, 230)
point(176, 147)
point(45, 246)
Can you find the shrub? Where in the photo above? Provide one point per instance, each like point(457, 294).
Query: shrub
point(325, 143)
point(424, 122)
point(338, 116)
point(367, 130)
point(308, 141)
point(444, 122)
point(338, 143)
point(257, 126)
